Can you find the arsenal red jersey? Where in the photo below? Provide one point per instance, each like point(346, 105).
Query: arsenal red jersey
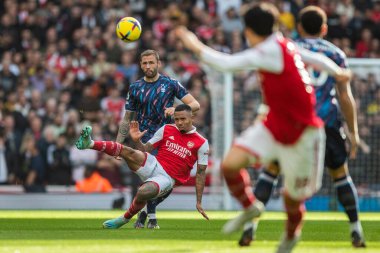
point(286, 83)
point(290, 96)
point(178, 152)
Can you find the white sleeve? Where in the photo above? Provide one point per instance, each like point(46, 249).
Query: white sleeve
point(203, 154)
point(266, 57)
point(158, 135)
point(319, 61)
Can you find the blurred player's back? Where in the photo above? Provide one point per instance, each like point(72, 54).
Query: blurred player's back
point(327, 106)
point(288, 93)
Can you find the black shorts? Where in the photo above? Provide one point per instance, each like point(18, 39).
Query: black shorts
point(336, 152)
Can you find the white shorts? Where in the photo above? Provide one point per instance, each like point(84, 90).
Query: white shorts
point(301, 163)
point(152, 171)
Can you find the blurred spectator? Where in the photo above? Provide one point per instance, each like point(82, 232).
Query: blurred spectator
point(59, 164)
point(8, 79)
point(113, 104)
point(33, 170)
point(93, 182)
point(3, 161)
point(61, 65)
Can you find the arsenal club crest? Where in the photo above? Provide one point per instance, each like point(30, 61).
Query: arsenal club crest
point(190, 144)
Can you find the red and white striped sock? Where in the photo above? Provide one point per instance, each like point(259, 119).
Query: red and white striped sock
point(109, 147)
point(135, 207)
point(240, 187)
point(295, 211)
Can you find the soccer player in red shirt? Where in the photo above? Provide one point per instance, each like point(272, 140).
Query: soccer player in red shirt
point(291, 133)
point(179, 147)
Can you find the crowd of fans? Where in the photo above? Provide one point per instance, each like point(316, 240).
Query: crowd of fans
point(62, 66)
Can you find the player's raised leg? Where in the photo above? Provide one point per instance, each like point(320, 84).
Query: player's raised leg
point(137, 161)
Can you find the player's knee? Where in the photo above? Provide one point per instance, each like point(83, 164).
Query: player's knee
point(147, 191)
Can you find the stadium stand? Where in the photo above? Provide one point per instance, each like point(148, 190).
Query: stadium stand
point(62, 66)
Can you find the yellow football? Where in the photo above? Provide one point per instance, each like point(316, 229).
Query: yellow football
point(128, 29)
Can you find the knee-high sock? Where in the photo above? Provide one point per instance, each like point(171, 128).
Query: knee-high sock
point(239, 184)
point(264, 186)
point(347, 197)
point(295, 211)
point(152, 204)
point(109, 147)
point(135, 207)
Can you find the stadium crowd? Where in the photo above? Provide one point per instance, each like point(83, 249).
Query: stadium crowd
point(62, 66)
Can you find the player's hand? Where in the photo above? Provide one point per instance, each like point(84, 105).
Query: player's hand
point(169, 111)
point(201, 211)
point(189, 39)
point(344, 76)
point(355, 142)
point(134, 131)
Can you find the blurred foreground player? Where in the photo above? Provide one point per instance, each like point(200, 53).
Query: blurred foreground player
point(291, 133)
point(312, 28)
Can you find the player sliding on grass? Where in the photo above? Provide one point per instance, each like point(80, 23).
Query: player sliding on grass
point(292, 133)
point(150, 102)
point(179, 147)
point(312, 27)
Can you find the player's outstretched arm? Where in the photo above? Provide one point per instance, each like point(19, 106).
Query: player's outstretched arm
point(321, 62)
point(192, 102)
point(348, 106)
point(246, 60)
point(199, 186)
point(124, 126)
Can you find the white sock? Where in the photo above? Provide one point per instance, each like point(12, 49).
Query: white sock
point(125, 220)
point(248, 225)
point(151, 216)
point(356, 226)
point(251, 224)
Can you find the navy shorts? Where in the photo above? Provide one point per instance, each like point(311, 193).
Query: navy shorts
point(336, 152)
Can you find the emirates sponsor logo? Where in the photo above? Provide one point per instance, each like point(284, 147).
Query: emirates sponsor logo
point(177, 149)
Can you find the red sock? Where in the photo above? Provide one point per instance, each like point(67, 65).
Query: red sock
point(109, 147)
point(240, 187)
point(135, 207)
point(295, 211)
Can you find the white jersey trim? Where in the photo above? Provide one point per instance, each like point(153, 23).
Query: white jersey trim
point(203, 154)
point(158, 135)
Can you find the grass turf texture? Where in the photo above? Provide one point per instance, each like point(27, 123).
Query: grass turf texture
point(80, 231)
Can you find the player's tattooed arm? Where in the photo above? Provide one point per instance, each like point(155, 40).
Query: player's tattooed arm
point(124, 126)
point(199, 187)
point(192, 102)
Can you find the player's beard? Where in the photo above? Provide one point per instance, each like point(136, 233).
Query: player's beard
point(151, 73)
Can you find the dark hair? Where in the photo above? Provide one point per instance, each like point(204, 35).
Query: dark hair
point(183, 107)
point(311, 19)
point(262, 19)
point(150, 52)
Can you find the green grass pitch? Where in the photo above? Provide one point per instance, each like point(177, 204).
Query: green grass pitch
point(182, 232)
